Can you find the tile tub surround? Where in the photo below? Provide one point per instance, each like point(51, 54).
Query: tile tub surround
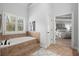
point(32, 45)
point(16, 41)
point(34, 34)
point(22, 49)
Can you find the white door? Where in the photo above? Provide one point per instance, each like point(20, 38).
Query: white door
point(51, 31)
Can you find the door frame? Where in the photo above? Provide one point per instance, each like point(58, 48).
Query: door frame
point(72, 34)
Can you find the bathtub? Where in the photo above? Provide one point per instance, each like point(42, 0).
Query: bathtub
point(15, 41)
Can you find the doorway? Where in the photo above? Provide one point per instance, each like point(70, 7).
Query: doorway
point(63, 30)
point(63, 35)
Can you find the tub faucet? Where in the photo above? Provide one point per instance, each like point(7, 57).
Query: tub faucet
point(5, 43)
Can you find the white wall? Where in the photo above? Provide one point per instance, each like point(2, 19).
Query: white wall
point(18, 9)
point(75, 25)
point(39, 13)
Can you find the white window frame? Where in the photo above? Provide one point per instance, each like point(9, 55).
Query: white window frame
point(23, 25)
point(5, 32)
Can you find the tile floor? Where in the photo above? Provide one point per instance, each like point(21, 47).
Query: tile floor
point(44, 52)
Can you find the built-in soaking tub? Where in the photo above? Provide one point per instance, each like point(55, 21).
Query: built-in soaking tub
point(16, 41)
point(20, 46)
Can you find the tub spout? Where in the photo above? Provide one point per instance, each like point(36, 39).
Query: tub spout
point(5, 43)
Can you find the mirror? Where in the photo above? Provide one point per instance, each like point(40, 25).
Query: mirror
point(32, 26)
point(33, 23)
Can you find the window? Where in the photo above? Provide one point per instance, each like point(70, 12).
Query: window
point(10, 23)
point(20, 24)
point(14, 24)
